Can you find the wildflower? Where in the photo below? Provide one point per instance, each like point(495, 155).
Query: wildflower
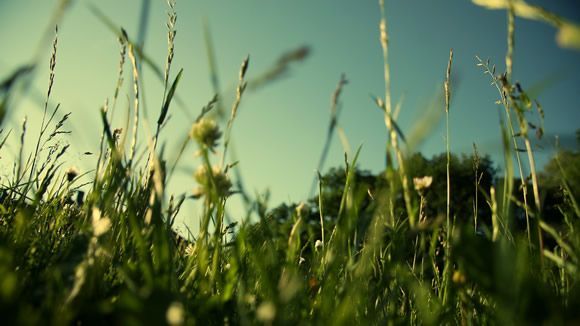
point(206, 132)
point(422, 183)
point(318, 245)
point(458, 277)
point(189, 250)
point(266, 312)
point(100, 224)
point(220, 180)
point(175, 314)
point(71, 173)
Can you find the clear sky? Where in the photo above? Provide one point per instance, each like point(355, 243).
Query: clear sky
point(280, 129)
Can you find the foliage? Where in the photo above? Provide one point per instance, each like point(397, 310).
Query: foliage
point(368, 249)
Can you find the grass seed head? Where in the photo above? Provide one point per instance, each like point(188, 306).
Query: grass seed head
point(302, 209)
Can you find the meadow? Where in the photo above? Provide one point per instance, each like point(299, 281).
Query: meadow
point(445, 240)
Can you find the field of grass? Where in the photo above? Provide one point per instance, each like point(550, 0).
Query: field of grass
point(391, 248)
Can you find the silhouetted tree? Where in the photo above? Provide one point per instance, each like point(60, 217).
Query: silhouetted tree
point(463, 184)
point(553, 181)
point(368, 188)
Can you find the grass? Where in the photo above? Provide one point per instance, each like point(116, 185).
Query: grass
point(363, 250)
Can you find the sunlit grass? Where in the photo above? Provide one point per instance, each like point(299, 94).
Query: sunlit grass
point(366, 249)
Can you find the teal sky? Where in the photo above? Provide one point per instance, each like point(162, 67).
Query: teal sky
point(280, 129)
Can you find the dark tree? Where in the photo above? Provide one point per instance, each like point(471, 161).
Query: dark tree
point(369, 190)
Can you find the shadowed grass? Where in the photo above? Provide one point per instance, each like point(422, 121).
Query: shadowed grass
point(99, 247)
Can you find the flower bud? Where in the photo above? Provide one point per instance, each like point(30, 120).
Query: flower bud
point(220, 179)
point(206, 132)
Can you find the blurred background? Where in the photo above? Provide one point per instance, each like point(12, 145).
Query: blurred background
point(281, 126)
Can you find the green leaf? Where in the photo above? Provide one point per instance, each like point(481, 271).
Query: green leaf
point(3, 108)
point(398, 130)
point(168, 99)
point(107, 128)
point(381, 105)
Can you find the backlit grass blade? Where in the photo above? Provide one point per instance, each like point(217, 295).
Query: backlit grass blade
point(170, 94)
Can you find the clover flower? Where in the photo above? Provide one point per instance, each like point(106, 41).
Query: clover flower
point(221, 181)
point(422, 183)
point(206, 132)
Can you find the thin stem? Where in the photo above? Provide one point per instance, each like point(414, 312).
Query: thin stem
point(239, 92)
point(389, 116)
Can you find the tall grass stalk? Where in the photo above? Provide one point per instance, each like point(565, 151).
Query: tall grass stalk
point(20, 162)
point(509, 72)
point(123, 39)
point(44, 124)
point(167, 91)
point(332, 125)
point(135, 130)
point(391, 127)
point(239, 92)
point(503, 88)
point(476, 182)
point(448, 229)
point(321, 209)
point(220, 110)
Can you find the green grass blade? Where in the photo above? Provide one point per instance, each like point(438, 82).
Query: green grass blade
point(170, 94)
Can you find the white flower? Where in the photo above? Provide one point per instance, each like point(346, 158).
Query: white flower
point(100, 224)
point(175, 314)
point(318, 245)
point(422, 183)
point(266, 312)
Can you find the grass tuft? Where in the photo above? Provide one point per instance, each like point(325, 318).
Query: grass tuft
point(99, 246)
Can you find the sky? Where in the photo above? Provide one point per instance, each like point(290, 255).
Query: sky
point(280, 129)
